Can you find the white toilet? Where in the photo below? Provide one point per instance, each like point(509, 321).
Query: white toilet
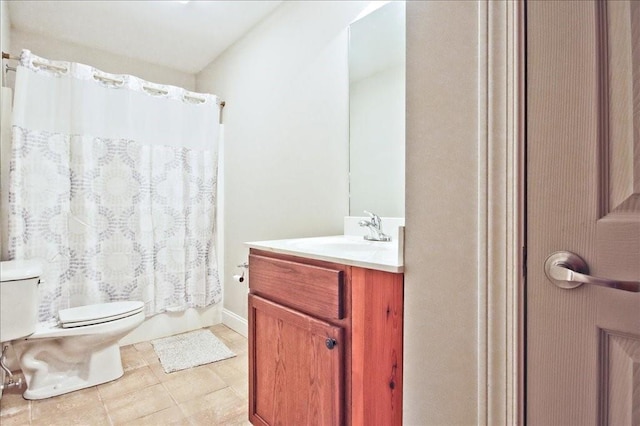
point(80, 351)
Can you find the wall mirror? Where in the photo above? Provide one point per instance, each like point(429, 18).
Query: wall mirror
point(377, 111)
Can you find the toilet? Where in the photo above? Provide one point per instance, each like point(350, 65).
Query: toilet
point(80, 351)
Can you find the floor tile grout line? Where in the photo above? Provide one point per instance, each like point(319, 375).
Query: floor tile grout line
point(180, 407)
point(104, 406)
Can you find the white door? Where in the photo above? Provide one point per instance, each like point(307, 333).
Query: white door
point(583, 197)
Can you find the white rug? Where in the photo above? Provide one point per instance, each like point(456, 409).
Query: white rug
point(190, 350)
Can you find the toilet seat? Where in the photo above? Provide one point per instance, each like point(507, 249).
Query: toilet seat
point(97, 314)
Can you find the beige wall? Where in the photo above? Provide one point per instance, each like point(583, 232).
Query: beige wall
point(286, 130)
point(5, 105)
point(441, 245)
point(105, 61)
point(5, 31)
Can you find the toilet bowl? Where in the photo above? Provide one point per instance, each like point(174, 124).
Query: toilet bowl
point(80, 351)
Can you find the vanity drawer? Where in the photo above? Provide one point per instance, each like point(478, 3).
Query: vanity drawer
point(311, 289)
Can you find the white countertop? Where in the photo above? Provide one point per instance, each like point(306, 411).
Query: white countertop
point(344, 249)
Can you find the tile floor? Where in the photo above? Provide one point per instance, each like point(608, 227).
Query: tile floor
point(211, 394)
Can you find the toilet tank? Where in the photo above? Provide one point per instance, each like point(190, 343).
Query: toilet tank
point(18, 298)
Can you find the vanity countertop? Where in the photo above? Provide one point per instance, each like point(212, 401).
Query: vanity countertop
point(344, 249)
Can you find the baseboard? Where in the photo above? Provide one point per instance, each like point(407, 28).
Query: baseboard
point(235, 322)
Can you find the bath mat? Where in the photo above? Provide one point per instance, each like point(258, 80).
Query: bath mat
point(190, 350)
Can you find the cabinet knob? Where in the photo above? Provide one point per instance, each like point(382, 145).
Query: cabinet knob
point(331, 343)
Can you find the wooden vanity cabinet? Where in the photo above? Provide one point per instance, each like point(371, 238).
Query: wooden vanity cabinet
point(325, 342)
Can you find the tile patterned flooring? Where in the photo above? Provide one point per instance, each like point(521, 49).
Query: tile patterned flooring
point(211, 394)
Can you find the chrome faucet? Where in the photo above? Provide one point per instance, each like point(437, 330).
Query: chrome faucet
point(375, 228)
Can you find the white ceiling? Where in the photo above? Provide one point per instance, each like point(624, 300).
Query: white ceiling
point(185, 37)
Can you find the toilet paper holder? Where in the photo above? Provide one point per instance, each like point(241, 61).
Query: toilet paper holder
point(240, 277)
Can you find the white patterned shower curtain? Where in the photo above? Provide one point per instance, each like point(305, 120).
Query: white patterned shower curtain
point(113, 185)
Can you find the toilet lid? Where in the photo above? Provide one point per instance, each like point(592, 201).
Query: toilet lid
point(98, 313)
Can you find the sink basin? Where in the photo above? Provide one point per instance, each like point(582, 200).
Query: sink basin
point(341, 244)
point(346, 246)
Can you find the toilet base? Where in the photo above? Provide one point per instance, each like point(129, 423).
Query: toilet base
point(48, 376)
point(66, 387)
point(58, 360)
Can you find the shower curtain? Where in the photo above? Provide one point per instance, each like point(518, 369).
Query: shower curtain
point(113, 186)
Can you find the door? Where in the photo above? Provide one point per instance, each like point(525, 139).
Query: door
point(583, 196)
point(295, 367)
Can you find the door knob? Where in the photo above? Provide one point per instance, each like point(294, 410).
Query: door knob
point(568, 270)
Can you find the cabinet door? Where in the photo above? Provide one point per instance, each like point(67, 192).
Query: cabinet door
point(295, 367)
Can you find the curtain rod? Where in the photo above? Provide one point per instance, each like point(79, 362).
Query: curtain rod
point(5, 55)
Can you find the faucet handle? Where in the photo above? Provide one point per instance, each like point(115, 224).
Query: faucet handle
point(375, 219)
